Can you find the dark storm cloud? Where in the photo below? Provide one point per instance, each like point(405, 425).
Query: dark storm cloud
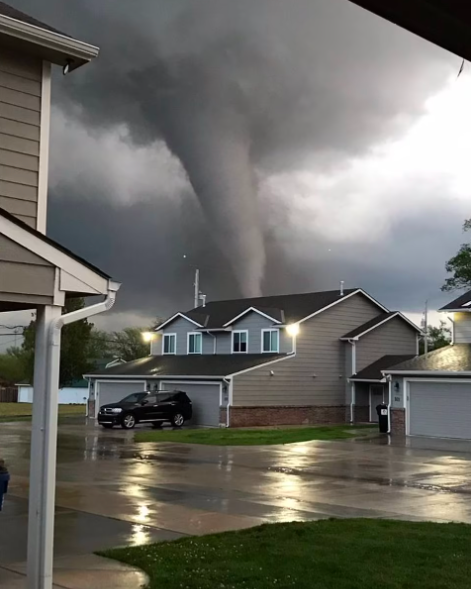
point(234, 88)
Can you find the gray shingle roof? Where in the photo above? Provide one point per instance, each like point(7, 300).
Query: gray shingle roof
point(192, 365)
point(7, 10)
point(452, 359)
point(369, 325)
point(294, 306)
point(373, 371)
point(458, 303)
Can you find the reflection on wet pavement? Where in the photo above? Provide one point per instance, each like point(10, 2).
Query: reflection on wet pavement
point(113, 492)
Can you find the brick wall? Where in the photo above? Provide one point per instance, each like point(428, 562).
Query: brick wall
point(289, 415)
point(398, 422)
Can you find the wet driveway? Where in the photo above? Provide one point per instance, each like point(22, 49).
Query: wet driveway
point(112, 492)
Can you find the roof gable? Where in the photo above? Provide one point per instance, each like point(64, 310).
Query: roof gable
point(462, 303)
point(274, 315)
point(178, 316)
point(381, 319)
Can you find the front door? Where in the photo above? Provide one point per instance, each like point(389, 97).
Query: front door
point(377, 396)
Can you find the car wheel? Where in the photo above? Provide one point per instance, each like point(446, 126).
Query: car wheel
point(178, 420)
point(128, 421)
point(107, 425)
point(156, 425)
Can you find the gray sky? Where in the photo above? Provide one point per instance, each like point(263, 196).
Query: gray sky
point(279, 145)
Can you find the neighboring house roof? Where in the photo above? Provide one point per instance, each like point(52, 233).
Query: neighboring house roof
point(462, 303)
point(453, 360)
point(197, 366)
point(275, 315)
point(7, 10)
point(376, 322)
point(290, 308)
point(51, 242)
point(374, 370)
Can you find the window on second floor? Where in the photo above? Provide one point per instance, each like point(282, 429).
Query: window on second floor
point(270, 340)
point(195, 343)
point(240, 341)
point(169, 344)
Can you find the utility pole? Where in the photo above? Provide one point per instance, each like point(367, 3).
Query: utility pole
point(426, 327)
point(197, 288)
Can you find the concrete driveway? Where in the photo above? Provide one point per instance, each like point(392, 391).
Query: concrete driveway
point(112, 492)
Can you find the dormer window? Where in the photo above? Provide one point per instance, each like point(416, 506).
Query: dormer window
point(195, 343)
point(240, 342)
point(169, 343)
point(270, 341)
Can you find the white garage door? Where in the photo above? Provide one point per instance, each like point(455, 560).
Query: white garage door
point(440, 410)
point(204, 398)
point(112, 392)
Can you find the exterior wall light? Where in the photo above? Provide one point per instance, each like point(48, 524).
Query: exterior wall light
point(148, 336)
point(292, 329)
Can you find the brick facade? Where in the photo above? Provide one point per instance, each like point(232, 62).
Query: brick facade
point(398, 422)
point(288, 415)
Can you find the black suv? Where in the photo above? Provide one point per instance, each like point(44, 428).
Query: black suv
point(154, 408)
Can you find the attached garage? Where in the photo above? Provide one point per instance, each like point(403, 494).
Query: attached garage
point(113, 391)
point(206, 398)
point(440, 409)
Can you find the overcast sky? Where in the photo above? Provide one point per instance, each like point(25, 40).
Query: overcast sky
point(282, 146)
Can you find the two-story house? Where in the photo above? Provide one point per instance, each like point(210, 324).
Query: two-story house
point(287, 359)
point(37, 273)
point(431, 394)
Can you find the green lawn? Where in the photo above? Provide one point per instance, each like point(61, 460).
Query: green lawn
point(253, 437)
point(23, 411)
point(331, 554)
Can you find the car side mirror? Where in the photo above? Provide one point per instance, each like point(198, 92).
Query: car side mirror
point(144, 402)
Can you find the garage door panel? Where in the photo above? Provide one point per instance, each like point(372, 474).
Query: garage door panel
point(441, 410)
point(205, 401)
point(112, 392)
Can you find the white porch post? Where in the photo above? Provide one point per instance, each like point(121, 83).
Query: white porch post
point(42, 484)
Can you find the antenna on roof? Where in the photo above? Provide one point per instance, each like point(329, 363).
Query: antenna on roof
point(199, 296)
point(342, 283)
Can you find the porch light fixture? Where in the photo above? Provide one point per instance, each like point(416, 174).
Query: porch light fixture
point(292, 329)
point(148, 336)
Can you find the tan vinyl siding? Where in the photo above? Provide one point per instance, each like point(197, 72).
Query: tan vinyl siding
point(20, 116)
point(462, 328)
point(316, 375)
point(11, 251)
point(27, 279)
point(394, 337)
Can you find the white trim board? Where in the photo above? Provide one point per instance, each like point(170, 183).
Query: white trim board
point(287, 357)
point(182, 315)
point(95, 283)
point(251, 310)
point(44, 147)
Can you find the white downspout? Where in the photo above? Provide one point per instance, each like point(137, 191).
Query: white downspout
point(352, 384)
point(229, 402)
point(43, 483)
point(389, 379)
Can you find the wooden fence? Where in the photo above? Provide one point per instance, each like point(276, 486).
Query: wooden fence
point(8, 394)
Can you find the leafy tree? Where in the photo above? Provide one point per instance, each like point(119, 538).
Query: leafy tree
point(460, 266)
point(129, 345)
point(75, 347)
point(438, 337)
point(11, 366)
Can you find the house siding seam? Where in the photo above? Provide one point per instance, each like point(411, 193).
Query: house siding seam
point(393, 337)
point(319, 352)
point(284, 415)
point(462, 328)
point(20, 113)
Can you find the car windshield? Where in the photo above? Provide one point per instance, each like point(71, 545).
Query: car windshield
point(134, 398)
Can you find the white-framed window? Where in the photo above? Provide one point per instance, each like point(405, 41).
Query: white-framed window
point(240, 342)
point(169, 343)
point(195, 343)
point(270, 341)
